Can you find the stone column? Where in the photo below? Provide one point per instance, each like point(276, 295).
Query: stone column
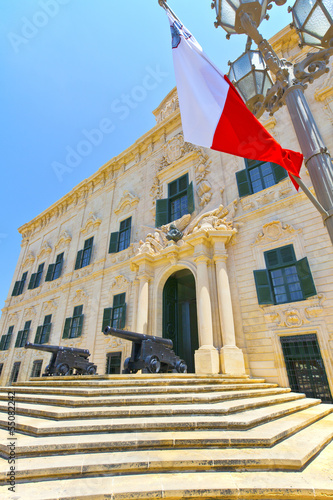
point(232, 358)
point(206, 357)
point(143, 301)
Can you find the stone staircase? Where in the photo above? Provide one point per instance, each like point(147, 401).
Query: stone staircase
point(165, 436)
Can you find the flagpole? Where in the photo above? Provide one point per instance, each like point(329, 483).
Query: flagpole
point(312, 198)
point(165, 6)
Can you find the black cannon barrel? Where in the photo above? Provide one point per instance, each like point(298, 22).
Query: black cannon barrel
point(57, 348)
point(136, 337)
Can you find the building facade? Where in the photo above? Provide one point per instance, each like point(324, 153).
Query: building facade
point(218, 253)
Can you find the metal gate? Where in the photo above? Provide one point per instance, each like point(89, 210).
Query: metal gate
point(305, 367)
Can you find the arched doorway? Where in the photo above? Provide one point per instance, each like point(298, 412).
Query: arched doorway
point(180, 315)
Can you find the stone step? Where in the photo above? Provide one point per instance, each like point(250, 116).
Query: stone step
point(241, 420)
point(151, 379)
point(313, 482)
point(137, 390)
point(264, 436)
point(143, 399)
point(52, 411)
point(290, 454)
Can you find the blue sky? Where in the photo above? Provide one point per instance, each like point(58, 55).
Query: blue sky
point(73, 66)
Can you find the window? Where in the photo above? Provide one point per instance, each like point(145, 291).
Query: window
point(115, 316)
point(22, 335)
point(258, 176)
point(84, 256)
point(180, 201)
point(305, 366)
point(19, 285)
point(5, 339)
point(113, 363)
point(121, 239)
point(73, 325)
point(15, 372)
point(43, 331)
point(36, 368)
point(285, 279)
point(54, 270)
point(36, 277)
point(1, 368)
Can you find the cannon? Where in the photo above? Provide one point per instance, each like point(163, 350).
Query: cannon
point(65, 359)
point(149, 354)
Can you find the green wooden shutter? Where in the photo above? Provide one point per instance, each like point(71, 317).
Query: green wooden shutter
point(305, 277)
point(67, 328)
point(15, 289)
point(38, 334)
point(24, 337)
point(114, 238)
point(32, 281)
point(2, 342)
point(47, 329)
point(49, 274)
point(59, 268)
point(190, 198)
point(243, 183)
point(287, 254)
point(263, 286)
point(107, 316)
point(122, 322)
point(18, 342)
point(279, 172)
point(162, 212)
point(78, 262)
point(79, 326)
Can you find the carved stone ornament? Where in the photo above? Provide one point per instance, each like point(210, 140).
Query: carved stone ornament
point(119, 283)
point(44, 251)
point(30, 312)
point(167, 109)
point(113, 342)
point(80, 297)
point(202, 169)
point(91, 224)
point(49, 305)
point(174, 149)
point(13, 317)
point(207, 221)
point(273, 231)
point(64, 240)
point(127, 202)
point(293, 318)
point(28, 261)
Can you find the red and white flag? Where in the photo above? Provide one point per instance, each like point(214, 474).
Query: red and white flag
point(213, 113)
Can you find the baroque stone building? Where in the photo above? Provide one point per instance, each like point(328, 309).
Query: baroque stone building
point(218, 253)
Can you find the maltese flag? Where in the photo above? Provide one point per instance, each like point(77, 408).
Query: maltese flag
point(212, 112)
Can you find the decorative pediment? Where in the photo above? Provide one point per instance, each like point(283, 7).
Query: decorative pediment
point(44, 251)
point(120, 283)
point(169, 104)
point(274, 231)
point(282, 315)
point(13, 317)
point(91, 224)
point(127, 202)
point(29, 260)
point(80, 296)
point(49, 305)
point(30, 312)
point(176, 231)
point(64, 240)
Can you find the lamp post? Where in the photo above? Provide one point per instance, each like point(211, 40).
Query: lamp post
point(313, 20)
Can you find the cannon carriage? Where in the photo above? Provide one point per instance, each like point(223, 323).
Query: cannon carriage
point(65, 360)
point(149, 354)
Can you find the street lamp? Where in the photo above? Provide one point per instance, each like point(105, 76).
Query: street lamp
point(313, 22)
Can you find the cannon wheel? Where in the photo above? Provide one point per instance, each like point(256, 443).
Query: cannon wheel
point(91, 370)
point(63, 369)
point(181, 366)
point(153, 364)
